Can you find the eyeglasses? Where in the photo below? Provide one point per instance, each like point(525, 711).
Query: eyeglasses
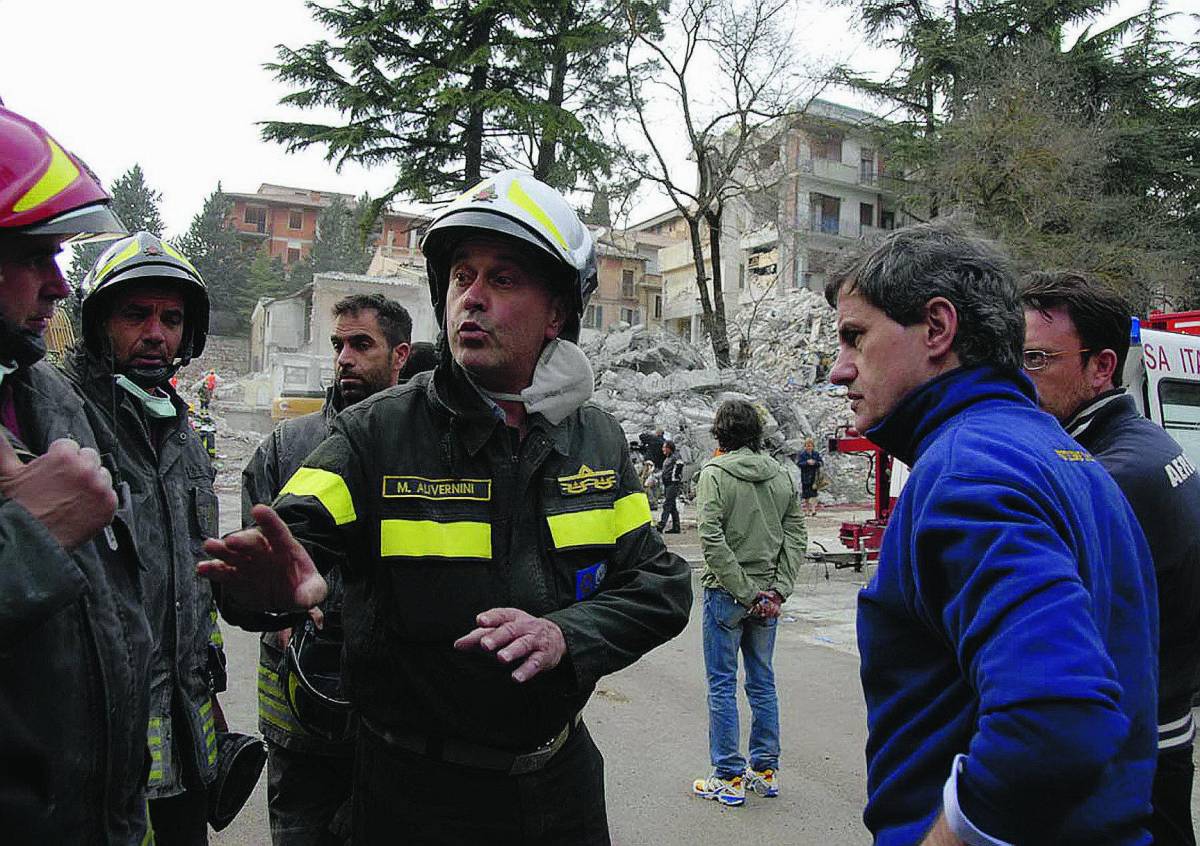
point(1038, 359)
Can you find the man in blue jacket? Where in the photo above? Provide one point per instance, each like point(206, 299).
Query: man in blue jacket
point(1076, 342)
point(1008, 636)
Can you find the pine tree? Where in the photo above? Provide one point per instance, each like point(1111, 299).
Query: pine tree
point(136, 204)
point(448, 91)
point(217, 253)
point(339, 244)
point(265, 278)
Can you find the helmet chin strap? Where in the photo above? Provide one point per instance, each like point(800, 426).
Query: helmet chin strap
point(149, 378)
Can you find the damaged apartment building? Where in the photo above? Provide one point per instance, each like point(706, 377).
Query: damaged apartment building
point(820, 183)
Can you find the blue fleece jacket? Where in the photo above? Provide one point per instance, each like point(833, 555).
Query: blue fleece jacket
point(1012, 619)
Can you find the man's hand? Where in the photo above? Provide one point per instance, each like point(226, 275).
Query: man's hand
point(941, 835)
point(67, 490)
point(512, 635)
point(264, 568)
point(767, 604)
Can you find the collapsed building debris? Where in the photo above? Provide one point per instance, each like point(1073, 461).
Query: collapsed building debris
point(648, 378)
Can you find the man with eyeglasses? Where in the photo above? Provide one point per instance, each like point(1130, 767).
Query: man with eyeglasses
point(1076, 341)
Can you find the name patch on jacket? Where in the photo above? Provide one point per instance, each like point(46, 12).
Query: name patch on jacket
point(586, 480)
point(587, 580)
point(418, 487)
point(1073, 455)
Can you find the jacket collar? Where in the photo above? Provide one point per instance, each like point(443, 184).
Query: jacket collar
point(473, 417)
point(1101, 407)
point(908, 429)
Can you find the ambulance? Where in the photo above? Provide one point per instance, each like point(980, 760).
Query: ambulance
point(1164, 380)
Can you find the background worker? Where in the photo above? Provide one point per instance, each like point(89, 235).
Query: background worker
point(672, 478)
point(753, 537)
point(74, 642)
point(1007, 636)
point(1076, 343)
point(144, 315)
point(310, 769)
point(498, 552)
point(809, 461)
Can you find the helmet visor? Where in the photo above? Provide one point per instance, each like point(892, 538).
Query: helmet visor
point(96, 222)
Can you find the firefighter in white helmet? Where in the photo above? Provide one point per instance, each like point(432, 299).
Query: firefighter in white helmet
point(497, 548)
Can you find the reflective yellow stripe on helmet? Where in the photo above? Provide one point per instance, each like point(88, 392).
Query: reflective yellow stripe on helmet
point(517, 194)
point(600, 526)
point(428, 538)
point(175, 254)
point(131, 250)
point(329, 489)
point(57, 178)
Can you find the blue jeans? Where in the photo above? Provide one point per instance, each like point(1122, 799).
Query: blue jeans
point(728, 628)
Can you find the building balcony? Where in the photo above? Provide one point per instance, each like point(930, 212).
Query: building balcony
point(881, 183)
point(830, 170)
point(763, 237)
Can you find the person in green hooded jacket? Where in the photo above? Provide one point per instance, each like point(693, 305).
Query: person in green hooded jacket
point(753, 537)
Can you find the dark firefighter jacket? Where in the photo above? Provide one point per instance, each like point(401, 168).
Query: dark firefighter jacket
point(170, 477)
point(273, 463)
point(1161, 484)
point(435, 513)
point(74, 653)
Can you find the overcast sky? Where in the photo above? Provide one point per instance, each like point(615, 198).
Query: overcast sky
point(178, 87)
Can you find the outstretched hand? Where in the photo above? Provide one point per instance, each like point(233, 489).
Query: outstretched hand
point(264, 568)
point(513, 634)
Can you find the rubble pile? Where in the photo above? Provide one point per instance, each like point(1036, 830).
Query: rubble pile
point(648, 378)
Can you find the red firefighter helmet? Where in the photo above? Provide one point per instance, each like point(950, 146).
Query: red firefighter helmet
point(45, 190)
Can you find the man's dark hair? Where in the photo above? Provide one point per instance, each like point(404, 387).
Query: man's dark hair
point(1100, 314)
point(421, 357)
point(913, 265)
point(737, 425)
point(394, 319)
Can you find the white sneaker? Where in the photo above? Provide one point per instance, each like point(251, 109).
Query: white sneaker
point(727, 791)
point(764, 783)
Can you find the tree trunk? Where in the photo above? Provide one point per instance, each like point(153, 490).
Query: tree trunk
point(706, 311)
point(547, 155)
point(479, 34)
point(720, 330)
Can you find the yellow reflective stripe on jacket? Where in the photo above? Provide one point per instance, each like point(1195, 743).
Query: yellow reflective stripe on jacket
point(155, 741)
point(272, 708)
point(209, 727)
point(57, 178)
point(430, 539)
point(148, 837)
point(329, 489)
point(517, 194)
point(600, 526)
point(215, 637)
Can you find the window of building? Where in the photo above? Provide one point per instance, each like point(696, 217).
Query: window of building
point(827, 146)
point(823, 213)
point(293, 255)
point(295, 219)
point(866, 215)
point(256, 216)
point(806, 279)
point(658, 306)
point(866, 166)
point(627, 284)
point(741, 277)
point(629, 315)
point(887, 220)
point(593, 317)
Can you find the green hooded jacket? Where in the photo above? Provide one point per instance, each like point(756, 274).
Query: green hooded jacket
point(751, 528)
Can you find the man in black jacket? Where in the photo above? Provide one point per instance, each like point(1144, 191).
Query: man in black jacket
point(672, 478)
point(144, 315)
point(1076, 342)
point(310, 769)
point(74, 641)
point(497, 548)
